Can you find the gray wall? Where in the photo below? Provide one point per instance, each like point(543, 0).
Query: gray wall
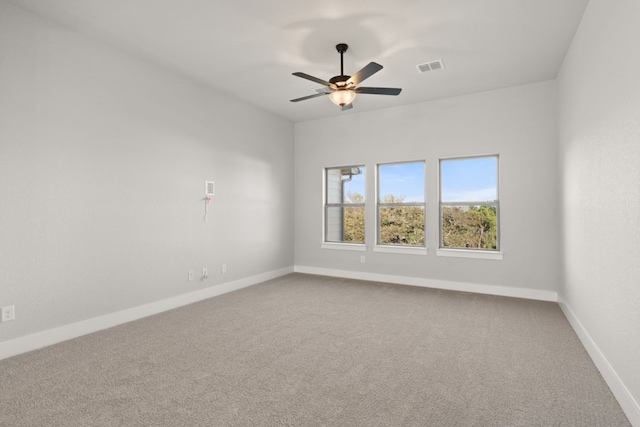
point(517, 123)
point(103, 159)
point(599, 93)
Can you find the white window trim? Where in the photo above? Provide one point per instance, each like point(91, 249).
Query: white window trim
point(324, 243)
point(407, 250)
point(470, 253)
point(360, 247)
point(399, 249)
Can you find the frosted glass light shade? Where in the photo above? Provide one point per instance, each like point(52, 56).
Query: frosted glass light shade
point(342, 97)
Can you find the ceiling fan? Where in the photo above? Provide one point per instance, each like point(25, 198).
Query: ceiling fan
point(342, 89)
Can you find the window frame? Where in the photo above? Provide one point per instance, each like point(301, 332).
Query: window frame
point(332, 244)
point(469, 252)
point(400, 248)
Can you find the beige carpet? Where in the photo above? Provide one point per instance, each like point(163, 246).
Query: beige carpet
point(306, 350)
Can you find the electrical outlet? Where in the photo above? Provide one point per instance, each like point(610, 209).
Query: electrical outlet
point(205, 275)
point(8, 313)
point(362, 259)
point(224, 268)
point(192, 275)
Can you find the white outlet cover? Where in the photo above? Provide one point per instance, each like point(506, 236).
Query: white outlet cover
point(8, 313)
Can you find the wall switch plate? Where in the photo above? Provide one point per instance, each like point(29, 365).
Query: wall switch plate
point(8, 313)
point(205, 274)
point(209, 188)
point(224, 268)
point(192, 275)
point(362, 259)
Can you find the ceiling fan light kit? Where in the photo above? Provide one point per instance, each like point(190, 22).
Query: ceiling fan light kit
point(343, 88)
point(342, 97)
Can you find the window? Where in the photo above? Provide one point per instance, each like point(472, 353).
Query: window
point(344, 204)
point(401, 204)
point(469, 208)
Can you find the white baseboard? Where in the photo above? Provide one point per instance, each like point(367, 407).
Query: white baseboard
point(53, 336)
point(527, 293)
point(628, 404)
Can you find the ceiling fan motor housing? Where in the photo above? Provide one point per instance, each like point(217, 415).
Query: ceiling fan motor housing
point(339, 81)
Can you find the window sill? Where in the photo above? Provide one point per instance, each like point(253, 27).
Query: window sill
point(361, 247)
point(469, 253)
point(411, 250)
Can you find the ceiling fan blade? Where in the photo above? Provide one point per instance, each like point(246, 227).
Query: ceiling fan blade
point(378, 90)
point(369, 70)
point(315, 95)
point(347, 107)
point(315, 79)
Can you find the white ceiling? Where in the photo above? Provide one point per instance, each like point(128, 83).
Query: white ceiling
point(249, 48)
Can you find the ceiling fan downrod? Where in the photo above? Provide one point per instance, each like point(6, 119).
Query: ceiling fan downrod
point(342, 48)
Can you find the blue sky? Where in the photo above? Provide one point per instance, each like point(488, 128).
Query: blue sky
point(404, 179)
point(356, 185)
point(465, 179)
point(473, 179)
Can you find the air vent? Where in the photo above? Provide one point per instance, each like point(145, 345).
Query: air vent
point(430, 66)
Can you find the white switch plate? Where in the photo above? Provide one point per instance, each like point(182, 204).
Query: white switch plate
point(209, 188)
point(8, 313)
